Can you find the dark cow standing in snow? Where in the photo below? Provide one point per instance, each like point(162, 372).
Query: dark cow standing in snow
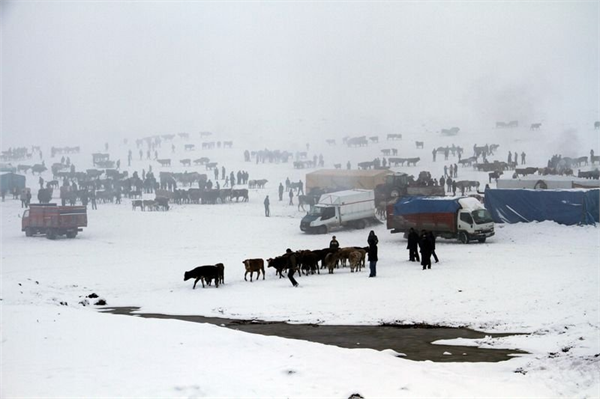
point(203, 273)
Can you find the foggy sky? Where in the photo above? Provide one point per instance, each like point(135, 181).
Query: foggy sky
point(79, 70)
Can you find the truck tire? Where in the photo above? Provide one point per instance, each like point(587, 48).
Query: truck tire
point(51, 235)
point(481, 240)
point(28, 232)
point(463, 237)
point(71, 234)
point(322, 230)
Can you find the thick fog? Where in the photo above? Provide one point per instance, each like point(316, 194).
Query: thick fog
point(76, 72)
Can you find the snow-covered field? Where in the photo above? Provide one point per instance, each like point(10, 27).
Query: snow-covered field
point(539, 278)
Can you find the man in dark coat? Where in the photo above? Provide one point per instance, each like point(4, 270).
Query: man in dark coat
point(267, 203)
point(291, 266)
point(280, 191)
point(431, 237)
point(334, 245)
point(413, 244)
point(372, 241)
point(425, 245)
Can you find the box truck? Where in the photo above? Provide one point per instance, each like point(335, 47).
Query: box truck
point(355, 208)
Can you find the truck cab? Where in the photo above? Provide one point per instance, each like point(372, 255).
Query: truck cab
point(474, 224)
point(319, 218)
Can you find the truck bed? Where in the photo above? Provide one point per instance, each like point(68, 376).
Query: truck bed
point(436, 222)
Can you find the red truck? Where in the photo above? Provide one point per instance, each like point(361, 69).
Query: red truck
point(54, 220)
point(464, 218)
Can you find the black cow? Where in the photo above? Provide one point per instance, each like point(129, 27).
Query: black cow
point(204, 273)
point(280, 263)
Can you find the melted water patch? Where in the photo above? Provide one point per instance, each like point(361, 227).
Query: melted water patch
point(414, 342)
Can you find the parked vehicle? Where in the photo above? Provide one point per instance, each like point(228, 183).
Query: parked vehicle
point(331, 180)
point(400, 185)
point(463, 218)
point(53, 220)
point(354, 208)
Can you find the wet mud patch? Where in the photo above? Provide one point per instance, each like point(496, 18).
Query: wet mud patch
point(414, 342)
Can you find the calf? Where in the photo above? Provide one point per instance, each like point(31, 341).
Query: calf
point(413, 161)
point(495, 175)
point(137, 204)
point(254, 265)
point(419, 144)
point(185, 162)
point(525, 171)
point(279, 263)
point(149, 204)
point(355, 261)
point(204, 273)
point(239, 193)
point(308, 261)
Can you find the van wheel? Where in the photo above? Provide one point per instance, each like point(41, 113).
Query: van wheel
point(28, 232)
point(361, 224)
point(482, 239)
point(463, 237)
point(71, 234)
point(322, 230)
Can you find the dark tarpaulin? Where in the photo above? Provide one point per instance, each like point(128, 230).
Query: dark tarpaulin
point(567, 207)
point(413, 205)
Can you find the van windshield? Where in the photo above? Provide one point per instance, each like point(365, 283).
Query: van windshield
point(482, 216)
point(315, 210)
point(322, 211)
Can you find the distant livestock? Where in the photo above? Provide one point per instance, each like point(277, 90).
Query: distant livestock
point(535, 126)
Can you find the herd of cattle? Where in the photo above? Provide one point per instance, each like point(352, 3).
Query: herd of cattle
point(304, 262)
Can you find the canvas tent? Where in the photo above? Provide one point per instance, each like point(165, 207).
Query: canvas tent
point(567, 207)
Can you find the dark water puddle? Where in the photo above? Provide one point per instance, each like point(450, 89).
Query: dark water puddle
point(414, 342)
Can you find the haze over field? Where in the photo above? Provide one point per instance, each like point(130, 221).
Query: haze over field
point(75, 70)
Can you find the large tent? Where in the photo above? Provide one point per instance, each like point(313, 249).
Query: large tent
point(562, 206)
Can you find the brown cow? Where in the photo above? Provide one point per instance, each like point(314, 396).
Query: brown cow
point(254, 265)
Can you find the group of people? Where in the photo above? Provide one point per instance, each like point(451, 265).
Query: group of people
point(425, 243)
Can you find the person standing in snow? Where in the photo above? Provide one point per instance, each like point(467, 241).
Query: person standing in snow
point(431, 238)
point(372, 240)
point(280, 191)
point(291, 197)
point(413, 246)
point(425, 245)
point(267, 203)
point(291, 266)
point(334, 245)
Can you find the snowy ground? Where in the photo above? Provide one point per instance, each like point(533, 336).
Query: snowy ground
point(539, 278)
